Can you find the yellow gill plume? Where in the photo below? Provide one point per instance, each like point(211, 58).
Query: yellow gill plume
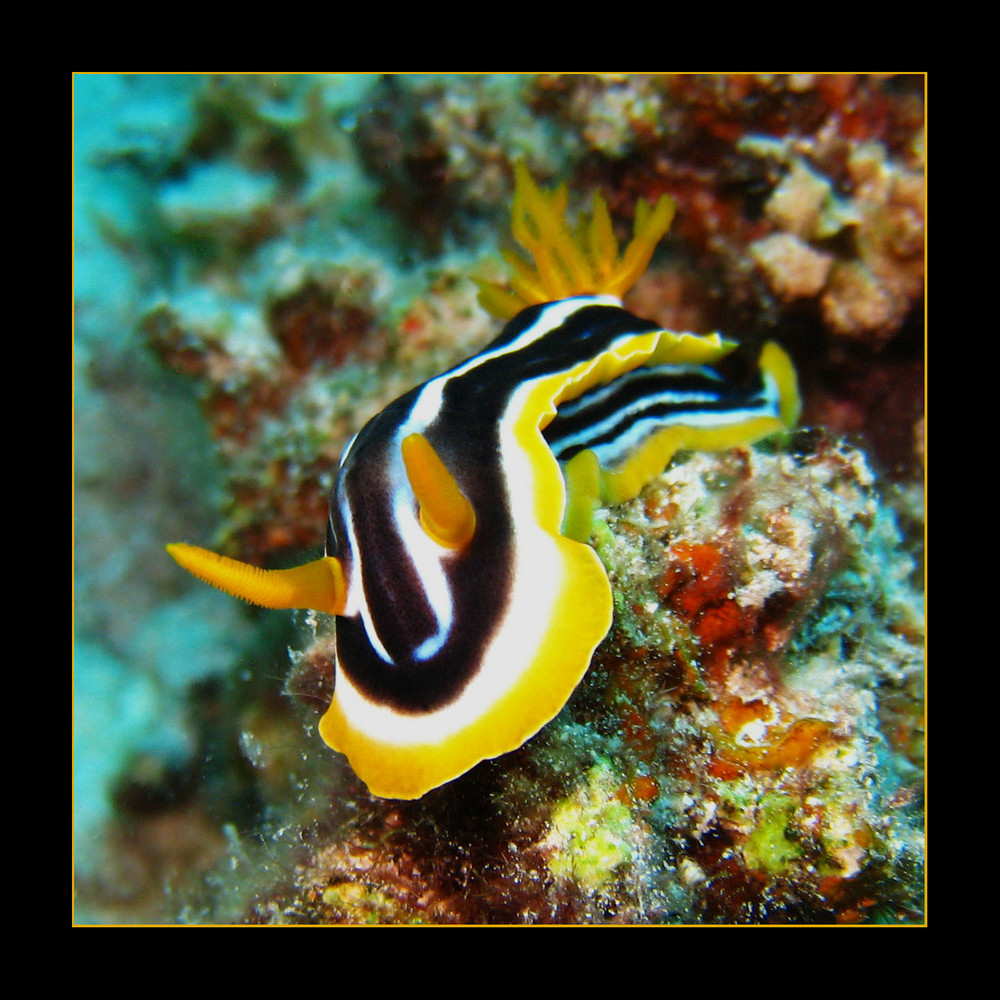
point(586, 262)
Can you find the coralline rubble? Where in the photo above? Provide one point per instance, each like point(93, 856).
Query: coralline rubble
point(869, 289)
point(833, 163)
point(768, 602)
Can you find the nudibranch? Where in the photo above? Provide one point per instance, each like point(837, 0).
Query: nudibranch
point(468, 601)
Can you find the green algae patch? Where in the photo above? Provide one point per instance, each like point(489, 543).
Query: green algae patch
point(590, 830)
point(365, 904)
point(769, 847)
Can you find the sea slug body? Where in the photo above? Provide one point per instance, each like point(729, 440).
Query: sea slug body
point(468, 603)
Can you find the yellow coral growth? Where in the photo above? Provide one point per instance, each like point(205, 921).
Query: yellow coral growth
point(566, 263)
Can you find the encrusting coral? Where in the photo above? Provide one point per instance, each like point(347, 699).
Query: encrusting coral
point(871, 291)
